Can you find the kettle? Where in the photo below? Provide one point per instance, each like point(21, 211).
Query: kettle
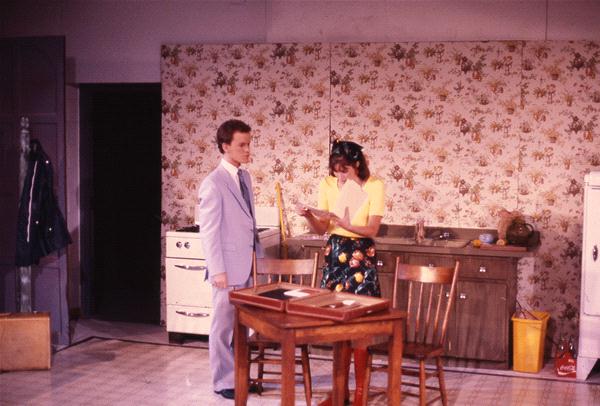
point(518, 232)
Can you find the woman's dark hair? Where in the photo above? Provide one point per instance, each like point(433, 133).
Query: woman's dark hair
point(348, 153)
point(227, 129)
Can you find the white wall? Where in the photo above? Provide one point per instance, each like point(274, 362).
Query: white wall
point(119, 41)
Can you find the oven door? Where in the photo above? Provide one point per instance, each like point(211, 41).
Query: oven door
point(186, 284)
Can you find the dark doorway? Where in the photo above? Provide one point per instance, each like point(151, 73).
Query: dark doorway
point(120, 199)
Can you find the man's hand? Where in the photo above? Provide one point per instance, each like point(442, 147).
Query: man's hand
point(220, 280)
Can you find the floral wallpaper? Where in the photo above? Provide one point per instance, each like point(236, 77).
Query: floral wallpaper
point(456, 130)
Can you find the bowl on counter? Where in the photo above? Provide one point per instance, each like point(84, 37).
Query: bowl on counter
point(487, 238)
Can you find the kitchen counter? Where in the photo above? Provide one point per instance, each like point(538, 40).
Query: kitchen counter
point(399, 238)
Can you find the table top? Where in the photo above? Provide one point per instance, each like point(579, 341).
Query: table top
point(290, 321)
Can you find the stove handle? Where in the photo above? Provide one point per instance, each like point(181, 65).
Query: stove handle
point(595, 253)
point(192, 267)
point(189, 314)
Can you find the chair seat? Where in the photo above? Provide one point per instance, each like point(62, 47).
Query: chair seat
point(256, 340)
point(421, 351)
point(412, 350)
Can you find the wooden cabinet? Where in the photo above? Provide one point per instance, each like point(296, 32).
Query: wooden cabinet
point(484, 303)
point(479, 325)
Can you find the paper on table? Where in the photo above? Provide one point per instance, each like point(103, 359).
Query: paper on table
point(351, 197)
point(296, 293)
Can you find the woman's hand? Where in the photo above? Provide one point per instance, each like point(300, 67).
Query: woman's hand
point(302, 210)
point(370, 230)
point(343, 222)
point(318, 220)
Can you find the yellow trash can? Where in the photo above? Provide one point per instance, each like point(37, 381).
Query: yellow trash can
point(528, 342)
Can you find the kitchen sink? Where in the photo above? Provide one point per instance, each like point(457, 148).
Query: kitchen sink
point(427, 242)
point(450, 243)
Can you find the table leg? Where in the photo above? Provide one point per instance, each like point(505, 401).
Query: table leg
point(395, 364)
point(340, 376)
point(240, 345)
point(288, 369)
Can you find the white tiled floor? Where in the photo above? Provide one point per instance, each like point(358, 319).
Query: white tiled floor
point(133, 365)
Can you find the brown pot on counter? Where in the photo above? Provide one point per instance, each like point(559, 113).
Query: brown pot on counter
point(518, 232)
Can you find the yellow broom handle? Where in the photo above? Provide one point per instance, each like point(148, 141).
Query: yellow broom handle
point(281, 222)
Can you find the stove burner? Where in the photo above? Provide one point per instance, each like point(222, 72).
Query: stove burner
point(196, 229)
point(189, 229)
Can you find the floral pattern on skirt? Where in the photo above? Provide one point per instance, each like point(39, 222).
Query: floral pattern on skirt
point(350, 266)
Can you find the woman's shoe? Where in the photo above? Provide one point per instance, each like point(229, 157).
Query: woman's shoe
point(328, 402)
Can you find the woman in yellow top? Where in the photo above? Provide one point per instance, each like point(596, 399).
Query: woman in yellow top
point(350, 256)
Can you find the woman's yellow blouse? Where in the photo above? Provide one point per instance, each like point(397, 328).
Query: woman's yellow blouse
point(373, 205)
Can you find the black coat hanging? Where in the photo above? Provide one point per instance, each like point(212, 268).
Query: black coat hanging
point(41, 227)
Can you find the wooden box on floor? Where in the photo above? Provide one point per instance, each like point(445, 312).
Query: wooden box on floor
point(24, 341)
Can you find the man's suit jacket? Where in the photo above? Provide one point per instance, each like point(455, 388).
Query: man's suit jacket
point(227, 227)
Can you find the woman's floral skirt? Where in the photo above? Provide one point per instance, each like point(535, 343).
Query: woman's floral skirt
point(350, 266)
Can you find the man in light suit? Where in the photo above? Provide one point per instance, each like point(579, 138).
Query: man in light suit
point(229, 236)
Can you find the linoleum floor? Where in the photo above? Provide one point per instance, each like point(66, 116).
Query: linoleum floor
point(132, 364)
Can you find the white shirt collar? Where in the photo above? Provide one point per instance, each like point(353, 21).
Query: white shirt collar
point(232, 169)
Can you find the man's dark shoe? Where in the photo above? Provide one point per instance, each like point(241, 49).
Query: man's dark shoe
point(226, 393)
point(253, 388)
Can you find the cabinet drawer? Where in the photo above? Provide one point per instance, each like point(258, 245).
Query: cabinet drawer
point(434, 260)
point(484, 268)
point(189, 319)
point(185, 282)
point(386, 261)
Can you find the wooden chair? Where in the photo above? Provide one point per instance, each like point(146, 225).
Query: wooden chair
point(429, 295)
point(299, 271)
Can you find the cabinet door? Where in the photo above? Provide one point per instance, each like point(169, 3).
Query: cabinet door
point(386, 264)
point(481, 327)
point(386, 261)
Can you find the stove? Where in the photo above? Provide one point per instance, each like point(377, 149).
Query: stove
point(188, 294)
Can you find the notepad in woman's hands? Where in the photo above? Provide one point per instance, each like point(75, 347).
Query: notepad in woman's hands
point(351, 198)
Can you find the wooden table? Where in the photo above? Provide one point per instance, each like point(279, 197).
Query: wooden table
point(290, 330)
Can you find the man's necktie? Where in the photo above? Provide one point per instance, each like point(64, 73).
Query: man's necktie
point(245, 191)
point(246, 196)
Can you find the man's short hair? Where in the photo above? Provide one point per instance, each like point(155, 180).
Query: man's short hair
point(227, 129)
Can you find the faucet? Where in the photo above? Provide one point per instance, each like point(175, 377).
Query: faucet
point(441, 235)
point(420, 231)
point(445, 235)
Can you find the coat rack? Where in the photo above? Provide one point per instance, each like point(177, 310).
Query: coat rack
point(23, 280)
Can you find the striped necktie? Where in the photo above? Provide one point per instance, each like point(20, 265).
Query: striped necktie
point(245, 191)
